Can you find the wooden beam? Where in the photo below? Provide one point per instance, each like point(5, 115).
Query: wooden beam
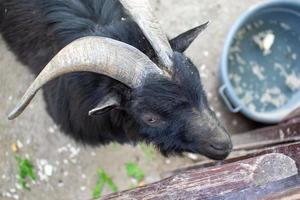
point(266, 137)
point(290, 194)
point(292, 150)
point(289, 187)
point(219, 180)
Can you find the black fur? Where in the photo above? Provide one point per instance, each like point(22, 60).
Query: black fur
point(36, 30)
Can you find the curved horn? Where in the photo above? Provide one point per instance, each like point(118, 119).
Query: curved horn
point(141, 12)
point(100, 55)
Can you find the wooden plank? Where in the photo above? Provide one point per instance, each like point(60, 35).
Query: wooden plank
point(292, 150)
point(291, 194)
point(293, 116)
point(208, 182)
point(275, 190)
point(266, 137)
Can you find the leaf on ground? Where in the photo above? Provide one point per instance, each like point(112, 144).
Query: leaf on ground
point(134, 171)
point(103, 179)
point(26, 170)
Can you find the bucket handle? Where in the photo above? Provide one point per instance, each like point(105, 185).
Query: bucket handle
point(230, 106)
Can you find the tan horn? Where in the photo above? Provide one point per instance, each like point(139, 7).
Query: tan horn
point(142, 13)
point(100, 55)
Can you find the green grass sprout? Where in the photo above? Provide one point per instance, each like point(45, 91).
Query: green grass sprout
point(103, 179)
point(26, 170)
point(134, 171)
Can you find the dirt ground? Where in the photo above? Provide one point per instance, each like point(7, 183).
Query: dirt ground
point(67, 170)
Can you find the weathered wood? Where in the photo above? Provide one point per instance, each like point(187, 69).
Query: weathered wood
point(266, 137)
point(219, 180)
point(294, 115)
point(292, 150)
point(274, 190)
point(291, 194)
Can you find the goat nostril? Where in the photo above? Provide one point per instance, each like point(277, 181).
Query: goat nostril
point(222, 146)
point(217, 147)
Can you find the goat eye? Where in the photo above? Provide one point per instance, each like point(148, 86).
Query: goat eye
point(151, 119)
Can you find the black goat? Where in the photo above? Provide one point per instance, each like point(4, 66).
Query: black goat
point(104, 84)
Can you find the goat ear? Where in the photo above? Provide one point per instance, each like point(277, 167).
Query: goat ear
point(184, 40)
point(107, 104)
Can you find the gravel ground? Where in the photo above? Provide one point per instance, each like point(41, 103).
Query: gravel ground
point(66, 170)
